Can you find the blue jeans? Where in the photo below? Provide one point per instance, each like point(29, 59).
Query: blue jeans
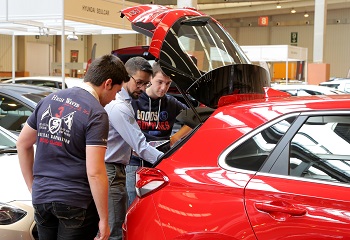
point(117, 198)
point(58, 221)
point(130, 182)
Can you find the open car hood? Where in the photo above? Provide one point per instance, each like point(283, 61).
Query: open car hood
point(197, 52)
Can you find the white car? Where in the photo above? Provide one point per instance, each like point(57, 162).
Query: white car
point(340, 84)
point(306, 90)
point(47, 81)
point(16, 210)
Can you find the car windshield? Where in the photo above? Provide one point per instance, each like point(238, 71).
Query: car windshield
point(201, 42)
point(36, 97)
point(6, 142)
point(207, 63)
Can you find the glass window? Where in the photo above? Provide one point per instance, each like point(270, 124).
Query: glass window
point(321, 149)
point(12, 113)
point(251, 154)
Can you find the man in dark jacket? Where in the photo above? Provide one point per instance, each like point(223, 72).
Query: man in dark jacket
point(155, 113)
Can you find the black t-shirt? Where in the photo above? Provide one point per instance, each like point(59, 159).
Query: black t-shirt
point(66, 122)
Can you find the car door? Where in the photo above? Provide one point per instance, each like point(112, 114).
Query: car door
point(302, 191)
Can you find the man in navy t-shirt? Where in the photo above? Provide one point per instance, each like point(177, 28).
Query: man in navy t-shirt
point(68, 179)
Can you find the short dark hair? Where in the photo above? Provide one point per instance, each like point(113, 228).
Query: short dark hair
point(106, 67)
point(156, 69)
point(135, 64)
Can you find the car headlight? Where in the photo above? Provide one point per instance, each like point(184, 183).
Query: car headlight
point(10, 214)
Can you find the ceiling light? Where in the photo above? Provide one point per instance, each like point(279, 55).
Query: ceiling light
point(72, 37)
point(278, 5)
point(306, 14)
point(293, 10)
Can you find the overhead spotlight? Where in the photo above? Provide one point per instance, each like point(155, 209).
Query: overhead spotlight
point(306, 14)
point(278, 5)
point(72, 37)
point(293, 10)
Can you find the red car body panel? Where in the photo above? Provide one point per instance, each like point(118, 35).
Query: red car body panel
point(200, 196)
point(162, 18)
point(307, 211)
point(204, 201)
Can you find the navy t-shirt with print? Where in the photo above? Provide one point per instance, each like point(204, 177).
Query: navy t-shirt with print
point(66, 122)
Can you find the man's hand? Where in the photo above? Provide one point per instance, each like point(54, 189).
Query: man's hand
point(104, 231)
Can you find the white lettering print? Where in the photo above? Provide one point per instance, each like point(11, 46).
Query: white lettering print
point(58, 99)
point(69, 101)
point(147, 116)
point(55, 122)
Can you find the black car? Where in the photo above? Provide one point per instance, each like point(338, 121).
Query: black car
point(17, 103)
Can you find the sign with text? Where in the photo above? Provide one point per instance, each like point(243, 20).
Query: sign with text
point(294, 38)
point(263, 21)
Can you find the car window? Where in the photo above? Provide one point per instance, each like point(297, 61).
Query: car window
point(44, 83)
point(321, 149)
point(251, 154)
point(293, 92)
point(12, 113)
point(347, 87)
point(6, 142)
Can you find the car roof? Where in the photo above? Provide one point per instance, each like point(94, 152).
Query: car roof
point(290, 104)
point(70, 81)
point(339, 81)
point(262, 110)
point(322, 89)
point(25, 93)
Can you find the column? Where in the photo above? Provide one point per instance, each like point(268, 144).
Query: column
point(318, 71)
point(186, 3)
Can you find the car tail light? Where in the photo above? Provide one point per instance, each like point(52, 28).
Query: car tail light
point(149, 180)
point(10, 214)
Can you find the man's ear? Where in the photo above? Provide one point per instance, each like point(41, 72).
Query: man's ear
point(108, 84)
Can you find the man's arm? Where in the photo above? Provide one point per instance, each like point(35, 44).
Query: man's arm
point(25, 149)
point(125, 123)
point(97, 175)
point(183, 131)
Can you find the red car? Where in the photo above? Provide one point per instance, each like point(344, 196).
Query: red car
point(258, 164)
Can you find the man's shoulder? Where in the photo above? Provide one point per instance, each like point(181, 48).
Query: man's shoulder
point(118, 105)
point(173, 100)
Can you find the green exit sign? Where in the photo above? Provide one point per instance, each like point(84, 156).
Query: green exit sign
point(294, 38)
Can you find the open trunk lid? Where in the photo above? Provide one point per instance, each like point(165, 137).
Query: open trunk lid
point(197, 52)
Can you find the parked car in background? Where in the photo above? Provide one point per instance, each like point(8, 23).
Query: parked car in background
point(47, 81)
point(342, 85)
point(16, 211)
point(306, 90)
point(261, 165)
point(17, 102)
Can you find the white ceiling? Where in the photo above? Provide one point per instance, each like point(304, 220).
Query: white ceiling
point(54, 27)
point(52, 24)
point(51, 17)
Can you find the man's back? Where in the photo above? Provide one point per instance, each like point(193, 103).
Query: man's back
point(66, 121)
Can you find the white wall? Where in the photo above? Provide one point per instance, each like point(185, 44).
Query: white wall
point(38, 59)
